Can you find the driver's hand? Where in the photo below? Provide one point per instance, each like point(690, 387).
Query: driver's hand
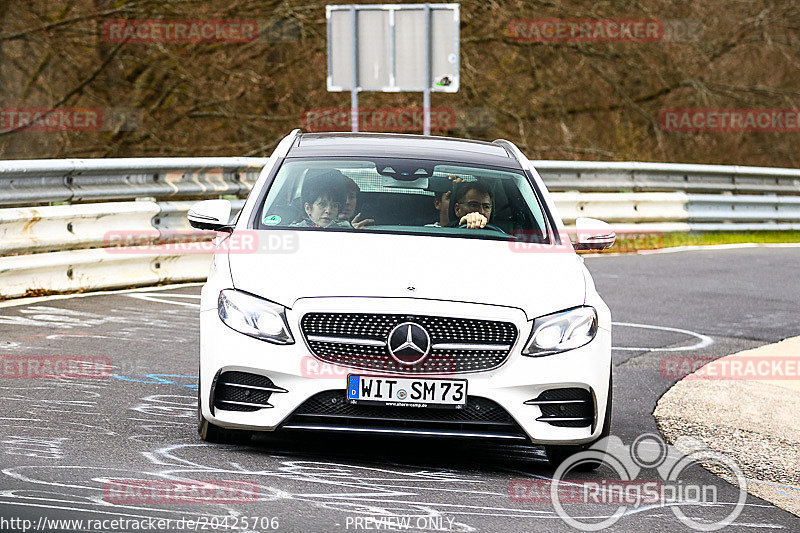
point(473, 220)
point(359, 224)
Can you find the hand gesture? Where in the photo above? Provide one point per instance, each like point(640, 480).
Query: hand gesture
point(361, 224)
point(473, 220)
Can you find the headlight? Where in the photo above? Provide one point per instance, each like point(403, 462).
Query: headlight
point(254, 316)
point(562, 331)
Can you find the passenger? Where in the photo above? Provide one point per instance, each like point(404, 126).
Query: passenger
point(323, 196)
point(441, 202)
point(473, 203)
point(348, 211)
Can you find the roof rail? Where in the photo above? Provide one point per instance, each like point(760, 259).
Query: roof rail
point(286, 143)
point(512, 149)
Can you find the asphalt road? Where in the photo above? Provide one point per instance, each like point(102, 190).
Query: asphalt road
point(66, 442)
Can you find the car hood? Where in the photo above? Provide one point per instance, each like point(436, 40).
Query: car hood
point(344, 264)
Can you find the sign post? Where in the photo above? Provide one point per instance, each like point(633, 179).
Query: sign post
point(354, 87)
point(393, 48)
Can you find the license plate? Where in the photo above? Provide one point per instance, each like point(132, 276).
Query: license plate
point(407, 392)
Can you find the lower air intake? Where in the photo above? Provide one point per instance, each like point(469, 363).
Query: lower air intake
point(243, 391)
point(571, 407)
point(330, 410)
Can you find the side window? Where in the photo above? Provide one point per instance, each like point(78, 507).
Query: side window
point(283, 205)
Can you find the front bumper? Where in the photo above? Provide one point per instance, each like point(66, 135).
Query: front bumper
point(303, 376)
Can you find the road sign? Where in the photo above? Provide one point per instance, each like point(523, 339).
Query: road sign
point(393, 48)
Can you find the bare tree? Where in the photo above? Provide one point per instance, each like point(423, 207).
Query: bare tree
point(558, 99)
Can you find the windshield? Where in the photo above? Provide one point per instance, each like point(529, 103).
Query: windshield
point(403, 195)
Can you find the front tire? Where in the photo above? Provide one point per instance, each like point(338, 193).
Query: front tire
point(557, 454)
point(218, 435)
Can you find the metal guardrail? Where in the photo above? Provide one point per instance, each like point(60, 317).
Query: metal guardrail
point(743, 208)
point(94, 269)
point(591, 176)
point(25, 230)
point(58, 248)
point(35, 182)
point(715, 197)
point(43, 181)
point(638, 207)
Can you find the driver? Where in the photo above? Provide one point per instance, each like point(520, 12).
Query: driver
point(473, 203)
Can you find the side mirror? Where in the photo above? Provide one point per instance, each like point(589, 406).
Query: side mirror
point(593, 234)
point(210, 215)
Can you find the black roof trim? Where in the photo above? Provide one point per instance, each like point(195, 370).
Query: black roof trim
point(402, 145)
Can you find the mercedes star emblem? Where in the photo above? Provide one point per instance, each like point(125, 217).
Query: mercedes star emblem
point(409, 343)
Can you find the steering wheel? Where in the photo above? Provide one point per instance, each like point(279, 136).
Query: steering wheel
point(487, 226)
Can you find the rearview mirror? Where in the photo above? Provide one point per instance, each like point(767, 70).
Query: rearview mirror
point(593, 234)
point(210, 215)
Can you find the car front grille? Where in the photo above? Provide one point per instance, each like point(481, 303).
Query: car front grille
point(243, 391)
point(359, 340)
point(330, 410)
point(569, 407)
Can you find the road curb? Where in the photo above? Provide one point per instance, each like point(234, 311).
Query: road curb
point(693, 247)
point(28, 300)
point(754, 421)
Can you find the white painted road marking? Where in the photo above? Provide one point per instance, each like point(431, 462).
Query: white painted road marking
point(703, 340)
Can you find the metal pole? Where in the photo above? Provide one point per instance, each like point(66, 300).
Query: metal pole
point(354, 90)
point(354, 109)
point(426, 95)
point(426, 109)
point(392, 50)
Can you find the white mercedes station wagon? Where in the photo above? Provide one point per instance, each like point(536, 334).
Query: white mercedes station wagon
point(404, 285)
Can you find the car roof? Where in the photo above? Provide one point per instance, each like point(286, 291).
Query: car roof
point(402, 146)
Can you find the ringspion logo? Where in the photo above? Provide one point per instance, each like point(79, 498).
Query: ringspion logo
point(592, 490)
point(600, 502)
